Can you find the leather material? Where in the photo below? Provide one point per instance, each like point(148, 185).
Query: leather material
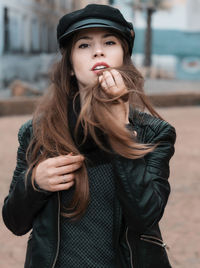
point(142, 191)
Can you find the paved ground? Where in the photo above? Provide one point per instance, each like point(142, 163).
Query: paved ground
point(181, 222)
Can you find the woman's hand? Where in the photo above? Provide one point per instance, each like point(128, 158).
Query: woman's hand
point(113, 84)
point(57, 173)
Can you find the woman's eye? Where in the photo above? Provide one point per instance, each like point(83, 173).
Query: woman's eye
point(84, 45)
point(110, 43)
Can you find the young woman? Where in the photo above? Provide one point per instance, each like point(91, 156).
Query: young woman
point(91, 180)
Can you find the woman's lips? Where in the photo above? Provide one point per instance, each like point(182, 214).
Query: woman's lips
point(99, 67)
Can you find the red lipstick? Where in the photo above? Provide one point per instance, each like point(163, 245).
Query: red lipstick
point(103, 64)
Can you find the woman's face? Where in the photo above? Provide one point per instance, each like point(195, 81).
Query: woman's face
point(95, 49)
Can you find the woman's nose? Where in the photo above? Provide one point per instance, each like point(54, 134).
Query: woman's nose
point(98, 52)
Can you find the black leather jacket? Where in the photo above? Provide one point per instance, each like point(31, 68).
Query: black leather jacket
point(142, 191)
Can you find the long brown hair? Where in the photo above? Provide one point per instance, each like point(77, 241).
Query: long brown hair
point(51, 134)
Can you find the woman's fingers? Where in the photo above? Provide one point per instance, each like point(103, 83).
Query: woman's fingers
point(55, 171)
point(112, 82)
point(62, 186)
point(66, 178)
point(59, 183)
point(68, 159)
point(118, 79)
point(68, 168)
point(61, 179)
point(63, 160)
point(109, 80)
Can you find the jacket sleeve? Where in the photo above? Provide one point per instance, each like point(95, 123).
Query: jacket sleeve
point(142, 185)
point(23, 202)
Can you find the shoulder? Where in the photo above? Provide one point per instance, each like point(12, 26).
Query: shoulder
point(25, 132)
point(152, 128)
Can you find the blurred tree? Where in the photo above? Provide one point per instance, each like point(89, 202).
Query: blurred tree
point(149, 7)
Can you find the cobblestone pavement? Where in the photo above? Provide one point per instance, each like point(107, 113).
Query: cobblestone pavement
point(181, 222)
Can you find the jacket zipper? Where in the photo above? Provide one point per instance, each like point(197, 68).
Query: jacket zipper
point(153, 240)
point(58, 243)
point(131, 254)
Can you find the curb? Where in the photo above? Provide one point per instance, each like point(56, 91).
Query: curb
point(18, 106)
point(175, 99)
point(26, 105)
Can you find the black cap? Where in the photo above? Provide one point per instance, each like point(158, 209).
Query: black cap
point(95, 16)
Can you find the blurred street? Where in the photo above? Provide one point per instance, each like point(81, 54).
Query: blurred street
point(181, 222)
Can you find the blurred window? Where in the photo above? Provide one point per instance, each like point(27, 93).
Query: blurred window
point(6, 30)
point(14, 31)
point(44, 37)
point(35, 35)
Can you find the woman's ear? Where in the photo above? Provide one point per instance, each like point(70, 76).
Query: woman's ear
point(72, 73)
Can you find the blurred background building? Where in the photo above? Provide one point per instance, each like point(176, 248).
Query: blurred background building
point(175, 37)
point(28, 37)
point(167, 37)
point(28, 26)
